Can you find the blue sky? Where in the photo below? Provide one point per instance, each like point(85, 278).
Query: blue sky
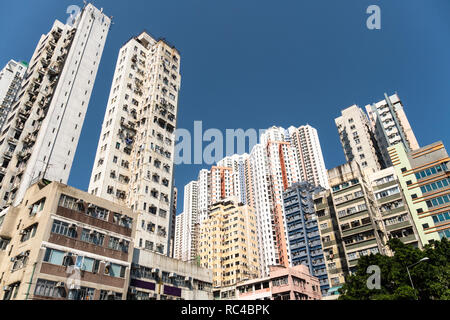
point(254, 63)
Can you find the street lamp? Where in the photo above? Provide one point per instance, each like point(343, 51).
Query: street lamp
point(407, 269)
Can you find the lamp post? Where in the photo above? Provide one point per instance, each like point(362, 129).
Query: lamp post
point(407, 269)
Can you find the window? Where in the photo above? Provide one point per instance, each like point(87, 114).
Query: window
point(63, 228)
point(37, 207)
point(118, 244)
point(110, 295)
point(70, 203)
point(48, 288)
point(115, 270)
point(93, 237)
point(83, 293)
point(28, 232)
point(54, 256)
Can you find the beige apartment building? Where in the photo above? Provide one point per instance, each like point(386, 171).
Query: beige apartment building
point(228, 243)
point(360, 225)
point(332, 244)
point(63, 243)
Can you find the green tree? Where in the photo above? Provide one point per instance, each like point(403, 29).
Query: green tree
point(430, 278)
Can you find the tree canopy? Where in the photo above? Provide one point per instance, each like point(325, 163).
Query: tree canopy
point(430, 278)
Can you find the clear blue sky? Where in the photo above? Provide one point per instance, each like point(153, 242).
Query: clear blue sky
point(254, 63)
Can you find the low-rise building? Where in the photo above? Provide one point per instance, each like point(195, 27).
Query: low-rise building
point(63, 243)
point(283, 283)
point(157, 277)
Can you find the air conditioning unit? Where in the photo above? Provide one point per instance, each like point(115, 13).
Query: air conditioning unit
point(73, 226)
point(22, 232)
point(187, 278)
point(91, 206)
point(133, 290)
point(6, 288)
point(111, 293)
point(172, 275)
point(60, 285)
point(92, 232)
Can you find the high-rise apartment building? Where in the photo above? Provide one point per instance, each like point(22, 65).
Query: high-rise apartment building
point(360, 225)
point(424, 176)
point(41, 133)
point(390, 125)
point(187, 224)
point(11, 77)
point(332, 244)
point(365, 138)
point(309, 155)
point(303, 231)
point(357, 139)
point(172, 226)
point(135, 155)
point(204, 196)
point(178, 243)
point(392, 206)
point(228, 243)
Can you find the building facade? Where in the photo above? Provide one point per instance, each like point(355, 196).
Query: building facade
point(390, 125)
point(424, 177)
point(360, 225)
point(40, 136)
point(357, 139)
point(392, 207)
point(332, 244)
point(283, 283)
point(158, 277)
point(11, 77)
point(303, 231)
point(309, 155)
point(135, 154)
point(228, 243)
point(63, 243)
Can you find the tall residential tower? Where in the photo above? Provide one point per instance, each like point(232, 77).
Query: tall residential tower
point(135, 154)
point(41, 133)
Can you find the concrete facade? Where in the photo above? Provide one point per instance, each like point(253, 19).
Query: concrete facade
point(424, 177)
point(303, 231)
point(157, 277)
point(283, 283)
point(135, 155)
point(390, 125)
point(63, 243)
point(11, 77)
point(40, 137)
point(228, 243)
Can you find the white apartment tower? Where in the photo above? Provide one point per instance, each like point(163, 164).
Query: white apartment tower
point(11, 77)
point(41, 133)
point(189, 228)
point(358, 140)
point(179, 223)
point(390, 125)
point(135, 154)
point(305, 141)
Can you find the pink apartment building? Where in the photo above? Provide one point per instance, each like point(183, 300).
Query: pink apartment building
point(283, 283)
